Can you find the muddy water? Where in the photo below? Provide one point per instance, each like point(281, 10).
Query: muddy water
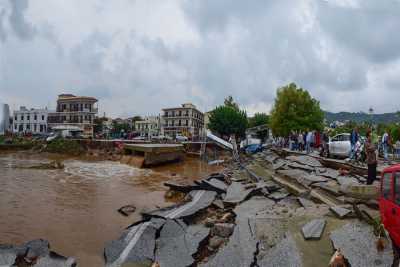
point(76, 208)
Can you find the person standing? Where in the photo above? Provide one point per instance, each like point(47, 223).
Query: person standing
point(370, 151)
point(353, 141)
point(301, 141)
point(385, 145)
point(309, 141)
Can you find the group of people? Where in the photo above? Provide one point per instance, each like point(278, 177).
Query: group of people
point(304, 141)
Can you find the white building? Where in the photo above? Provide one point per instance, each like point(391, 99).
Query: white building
point(30, 121)
point(4, 118)
point(149, 126)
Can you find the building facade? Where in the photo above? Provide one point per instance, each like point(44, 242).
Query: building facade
point(30, 121)
point(4, 118)
point(186, 120)
point(149, 126)
point(74, 113)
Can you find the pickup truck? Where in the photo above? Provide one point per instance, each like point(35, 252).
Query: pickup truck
point(389, 206)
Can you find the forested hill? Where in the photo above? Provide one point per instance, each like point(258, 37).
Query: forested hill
point(363, 117)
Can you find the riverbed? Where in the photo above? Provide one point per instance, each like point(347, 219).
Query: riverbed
point(75, 208)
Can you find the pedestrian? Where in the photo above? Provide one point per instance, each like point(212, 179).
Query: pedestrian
point(309, 141)
point(353, 141)
point(325, 142)
point(385, 146)
point(300, 139)
point(370, 151)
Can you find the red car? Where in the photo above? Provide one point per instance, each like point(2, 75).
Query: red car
point(389, 202)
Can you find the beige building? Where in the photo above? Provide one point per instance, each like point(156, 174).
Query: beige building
point(74, 113)
point(186, 120)
point(149, 126)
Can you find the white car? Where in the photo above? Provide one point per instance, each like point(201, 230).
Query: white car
point(339, 145)
point(181, 138)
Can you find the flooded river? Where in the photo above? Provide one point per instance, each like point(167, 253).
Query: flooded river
point(76, 208)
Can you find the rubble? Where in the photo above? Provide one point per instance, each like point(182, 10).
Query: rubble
point(356, 242)
point(127, 210)
point(314, 229)
point(261, 214)
point(200, 199)
point(340, 212)
point(178, 242)
point(35, 253)
point(185, 188)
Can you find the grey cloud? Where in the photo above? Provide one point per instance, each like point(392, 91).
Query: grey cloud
point(370, 30)
point(21, 27)
point(3, 34)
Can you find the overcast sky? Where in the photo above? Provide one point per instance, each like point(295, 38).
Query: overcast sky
point(137, 56)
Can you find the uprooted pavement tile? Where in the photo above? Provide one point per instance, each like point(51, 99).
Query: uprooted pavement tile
point(306, 160)
point(178, 242)
point(279, 195)
point(306, 203)
point(135, 246)
point(242, 245)
point(295, 165)
point(285, 253)
point(340, 212)
point(357, 243)
point(182, 187)
point(279, 164)
point(302, 177)
point(214, 185)
point(327, 172)
point(313, 230)
point(33, 251)
point(237, 192)
point(200, 199)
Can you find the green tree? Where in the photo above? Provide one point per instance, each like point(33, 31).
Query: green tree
point(226, 120)
point(229, 102)
point(98, 124)
point(258, 119)
point(295, 110)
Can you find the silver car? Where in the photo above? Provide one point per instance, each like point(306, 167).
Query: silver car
point(339, 145)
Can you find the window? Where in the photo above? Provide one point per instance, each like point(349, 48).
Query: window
point(22, 117)
point(336, 138)
point(15, 118)
point(34, 127)
point(397, 188)
point(15, 127)
point(386, 186)
point(28, 126)
point(42, 117)
point(28, 117)
point(35, 117)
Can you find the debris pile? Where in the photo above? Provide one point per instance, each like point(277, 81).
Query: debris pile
point(35, 253)
point(269, 211)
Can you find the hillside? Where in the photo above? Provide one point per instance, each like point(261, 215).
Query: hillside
point(362, 117)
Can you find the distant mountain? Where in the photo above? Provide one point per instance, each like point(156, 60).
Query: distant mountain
point(362, 117)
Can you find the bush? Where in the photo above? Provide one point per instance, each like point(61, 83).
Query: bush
point(64, 146)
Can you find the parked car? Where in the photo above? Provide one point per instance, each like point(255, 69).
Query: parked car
point(389, 203)
point(253, 148)
point(339, 145)
point(181, 138)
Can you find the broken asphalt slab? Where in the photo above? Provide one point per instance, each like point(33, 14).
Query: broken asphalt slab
point(313, 230)
point(305, 160)
point(285, 253)
point(185, 187)
point(36, 250)
point(237, 192)
point(200, 199)
point(242, 245)
point(135, 246)
point(340, 212)
point(357, 243)
point(178, 243)
point(214, 185)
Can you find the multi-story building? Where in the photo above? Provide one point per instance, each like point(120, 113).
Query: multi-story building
point(4, 118)
point(149, 126)
point(74, 113)
point(30, 120)
point(186, 120)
